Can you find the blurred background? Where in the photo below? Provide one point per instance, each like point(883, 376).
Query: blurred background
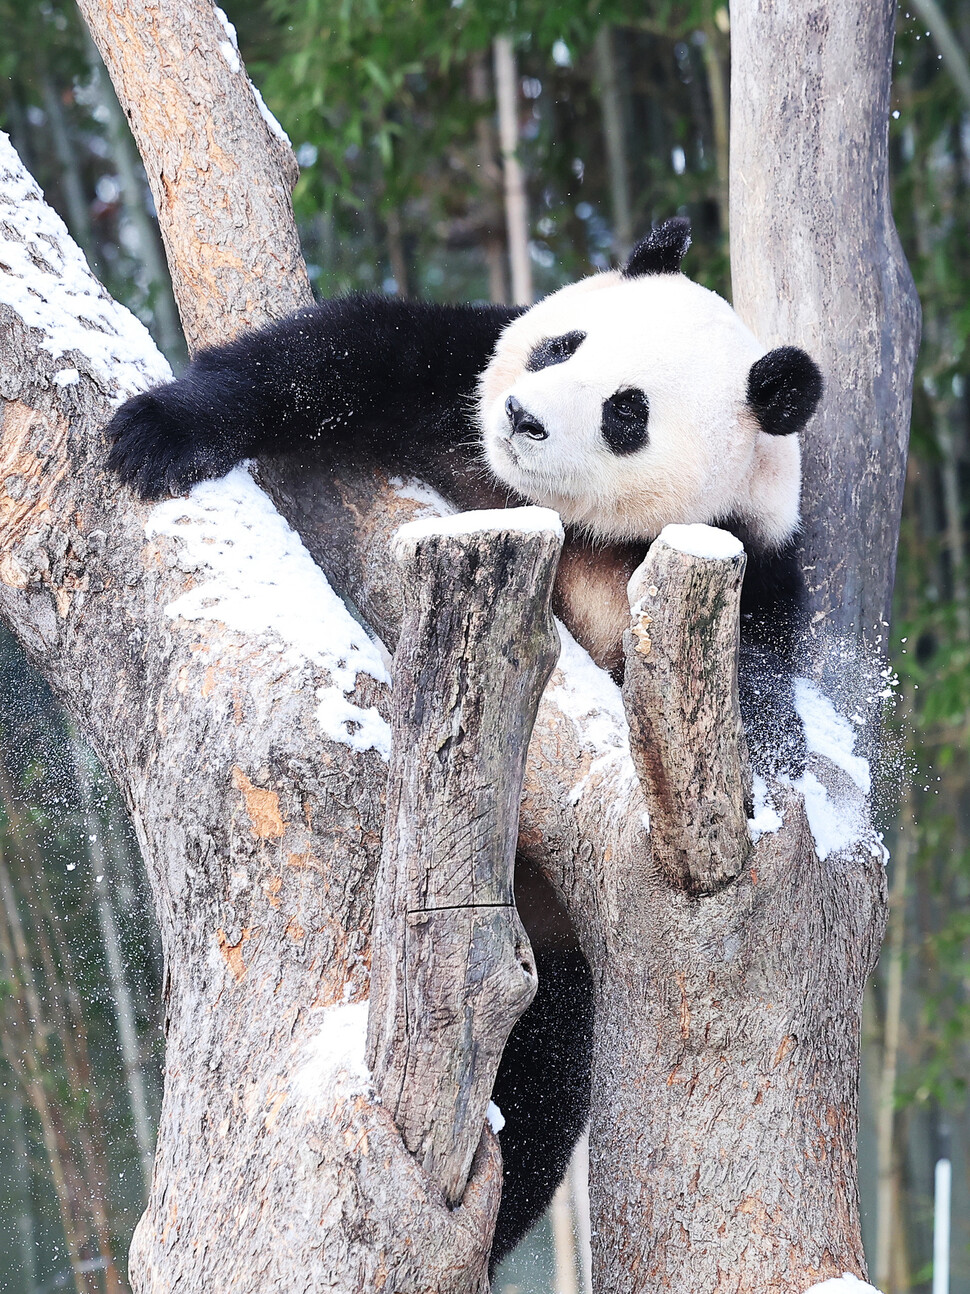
point(408, 118)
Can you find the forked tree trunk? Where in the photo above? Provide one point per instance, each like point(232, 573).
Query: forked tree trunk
point(252, 749)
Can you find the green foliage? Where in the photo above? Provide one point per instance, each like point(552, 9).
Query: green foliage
point(383, 100)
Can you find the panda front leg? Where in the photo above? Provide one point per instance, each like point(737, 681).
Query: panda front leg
point(361, 375)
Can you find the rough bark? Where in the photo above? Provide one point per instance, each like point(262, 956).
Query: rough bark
point(452, 965)
point(681, 695)
point(128, 165)
point(260, 835)
point(220, 170)
point(816, 260)
point(727, 1023)
point(736, 1017)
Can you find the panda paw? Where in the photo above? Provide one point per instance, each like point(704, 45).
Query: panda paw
point(157, 449)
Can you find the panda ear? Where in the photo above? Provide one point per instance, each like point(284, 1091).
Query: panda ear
point(784, 387)
point(661, 251)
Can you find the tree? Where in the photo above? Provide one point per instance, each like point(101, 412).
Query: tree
point(251, 746)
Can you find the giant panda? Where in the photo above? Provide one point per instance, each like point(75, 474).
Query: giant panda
point(626, 401)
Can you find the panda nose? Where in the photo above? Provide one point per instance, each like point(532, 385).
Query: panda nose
point(522, 422)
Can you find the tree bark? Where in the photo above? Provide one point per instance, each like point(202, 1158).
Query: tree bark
point(816, 260)
point(260, 832)
point(452, 966)
point(681, 695)
point(176, 72)
point(128, 165)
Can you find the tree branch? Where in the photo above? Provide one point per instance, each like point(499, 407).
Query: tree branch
point(452, 967)
point(215, 158)
point(681, 695)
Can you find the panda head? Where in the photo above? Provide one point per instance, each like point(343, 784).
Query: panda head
point(636, 398)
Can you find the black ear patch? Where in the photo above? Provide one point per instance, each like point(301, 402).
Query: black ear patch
point(784, 387)
point(661, 251)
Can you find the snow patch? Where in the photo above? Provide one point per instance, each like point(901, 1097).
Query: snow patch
point(268, 117)
point(351, 724)
point(767, 820)
point(526, 521)
point(835, 824)
point(702, 541)
point(230, 55)
point(827, 733)
point(495, 1117)
point(67, 377)
point(229, 49)
point(587, 696)
point(837, 821)
point(46, 281)
point(418, 492)
point(877, 847)
point(844, 1284)
point(256, 577)
point(334, 1058)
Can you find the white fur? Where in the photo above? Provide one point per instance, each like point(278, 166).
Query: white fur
point(706, 457)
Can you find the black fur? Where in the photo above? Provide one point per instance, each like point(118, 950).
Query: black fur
point(784, 387)
point(357, 376)
point(554, 350)
point(371, 377)
point(662, 251)
point(773, 608)
point(624, 420)
point(543, 1082)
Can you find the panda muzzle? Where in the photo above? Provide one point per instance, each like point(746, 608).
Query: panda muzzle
point(522, 422)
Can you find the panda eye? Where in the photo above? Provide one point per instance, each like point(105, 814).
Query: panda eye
point(554, 350)
point(625, 417)
point(626, 406)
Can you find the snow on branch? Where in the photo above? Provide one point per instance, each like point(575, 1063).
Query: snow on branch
point(254, 575)
point(46, 281)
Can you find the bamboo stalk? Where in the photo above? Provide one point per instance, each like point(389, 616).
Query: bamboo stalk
point(564, 1244)
point(886, 1112)
point(516, 206)
point(607, 76)
point(121, 996)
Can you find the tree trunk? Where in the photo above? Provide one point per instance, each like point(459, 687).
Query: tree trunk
point(251, 747)
point(128, 164)
point(816, 260)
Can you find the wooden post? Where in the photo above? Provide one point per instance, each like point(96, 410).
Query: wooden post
point(452, 966)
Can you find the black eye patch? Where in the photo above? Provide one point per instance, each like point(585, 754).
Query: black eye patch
point(554, 350)
point(625, 417)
